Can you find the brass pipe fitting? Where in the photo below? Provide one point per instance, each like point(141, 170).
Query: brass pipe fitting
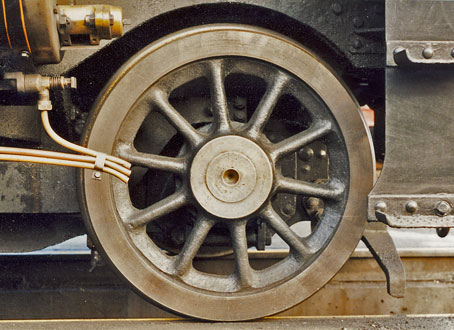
point(96, 21)
point(35, 83)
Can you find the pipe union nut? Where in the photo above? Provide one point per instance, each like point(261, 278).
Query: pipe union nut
point(44, 105)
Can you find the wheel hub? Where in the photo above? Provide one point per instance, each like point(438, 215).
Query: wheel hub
point(231, 177)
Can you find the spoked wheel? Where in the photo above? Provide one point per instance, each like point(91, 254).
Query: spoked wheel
point(215, 119)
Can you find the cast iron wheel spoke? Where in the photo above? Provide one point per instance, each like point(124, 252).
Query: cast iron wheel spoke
point(165, 206)
point(160, 99)
point(156, 162)
point(266, 106)
point(296, 142)
point(240, 250)
point(192, 245)
point(218, 96)
point(333, 190)
point(283, 230)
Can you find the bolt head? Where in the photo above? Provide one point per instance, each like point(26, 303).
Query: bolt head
point(442, 208)
point(313, 202)
point(380, 206)
point(411, 207)
point(428, 53)
point(306, 154)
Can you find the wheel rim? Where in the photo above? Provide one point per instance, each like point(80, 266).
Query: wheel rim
point(228, 172)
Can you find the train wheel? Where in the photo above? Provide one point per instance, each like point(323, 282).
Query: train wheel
point(208, 169)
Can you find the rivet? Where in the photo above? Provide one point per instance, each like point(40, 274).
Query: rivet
point(239, 115)
point(306, 153)
point(336, 8)
point(322, 154)
point(305, 169)
point(380, 206)
point(411, 207)
point(357, 44)
point(442, 208)
point(428, 52)
point(273, 137)
point(452, 52)
point(357, 22)
point(97, 174)
point(288, 209)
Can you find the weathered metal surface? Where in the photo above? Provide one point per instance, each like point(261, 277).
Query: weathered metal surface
point(61, 287)
point(41, 25)
point(418, 168)
point(352, 14)
point(419, 32)
point(32, 188)
point(355, 27)
point(441, 322)
point(20, 122)
point(286, 72)
point(414, 189)
point(30, 26)
point(381, 245)
point(30, 232)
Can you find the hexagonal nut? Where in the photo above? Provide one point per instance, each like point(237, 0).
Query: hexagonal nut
point(442, 208)
point(44, 105)
point(73, 82)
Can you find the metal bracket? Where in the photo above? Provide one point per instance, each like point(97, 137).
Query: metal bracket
point(413, 211)
point(419, 32)
point(381, 245)
point(415, 188)
point(420, 52)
